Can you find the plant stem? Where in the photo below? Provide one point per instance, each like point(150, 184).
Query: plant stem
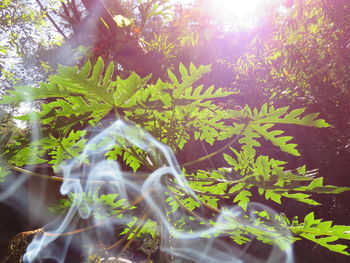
point(61, 179)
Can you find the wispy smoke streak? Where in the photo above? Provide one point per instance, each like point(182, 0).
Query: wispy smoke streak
point(199, 243)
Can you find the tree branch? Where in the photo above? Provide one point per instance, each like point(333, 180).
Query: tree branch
point(51, 19)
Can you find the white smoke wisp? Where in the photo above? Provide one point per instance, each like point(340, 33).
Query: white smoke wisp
point(181, 240)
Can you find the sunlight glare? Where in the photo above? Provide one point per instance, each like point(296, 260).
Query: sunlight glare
point(240, 14)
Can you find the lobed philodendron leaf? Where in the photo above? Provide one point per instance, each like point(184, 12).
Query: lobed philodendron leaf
point(199, 94)
point(98, 86)
point(281, 115)
point(28, 94)
point(61, 151)
point(260, 124)
point(188, 78)
point(273, 136)
point(175, 112)
point(126, 89)
point(268, 176)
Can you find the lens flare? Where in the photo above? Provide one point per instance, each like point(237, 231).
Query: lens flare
point(239, 15)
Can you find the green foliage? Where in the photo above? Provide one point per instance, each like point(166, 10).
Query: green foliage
point(261, 123)
point(4, 172)
point(102, 206)
point(176, 112)
point(322, 233)
point(149, 227)
point(303, 60)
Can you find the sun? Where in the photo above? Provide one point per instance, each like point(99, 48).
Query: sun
point(236, 14)
point(240, 14)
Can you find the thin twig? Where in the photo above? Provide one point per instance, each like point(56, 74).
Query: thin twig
point(206, 152)
point(61, 179)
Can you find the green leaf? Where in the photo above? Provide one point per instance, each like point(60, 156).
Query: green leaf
point(126, 90)
point(317, 186)
point(187, 79)
point(131, 160)
point(190, 203)
point(236, 187)
point(4, 172)
point(281, 142)
point(243, 199)
point(270, 194)
point(108, 199)
point(293, 117)
point(323, 233)
point(69, 147)
point(304, 198)
point(230, 160)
